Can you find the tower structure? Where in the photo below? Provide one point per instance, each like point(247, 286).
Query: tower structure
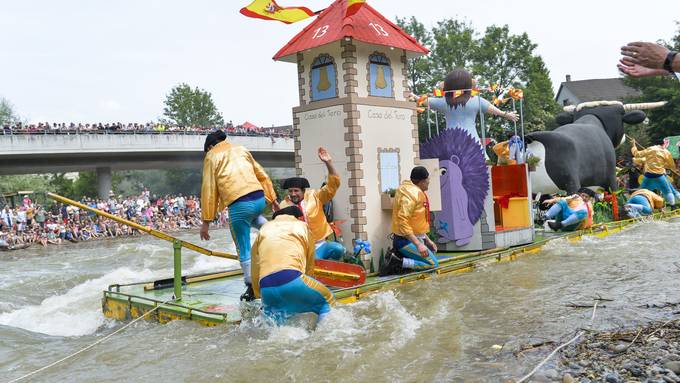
point(353, 90)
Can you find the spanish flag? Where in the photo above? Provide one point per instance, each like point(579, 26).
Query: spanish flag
point(269, 10)
point(438, 92)
point(353, 6)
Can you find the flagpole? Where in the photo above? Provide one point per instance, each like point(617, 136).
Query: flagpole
point(514, 110)
point(436, 120)
point(481, 125)
point(429, 128)
point(521, 124)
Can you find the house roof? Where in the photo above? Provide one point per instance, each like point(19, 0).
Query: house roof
point(609, 89)
point(367, 25)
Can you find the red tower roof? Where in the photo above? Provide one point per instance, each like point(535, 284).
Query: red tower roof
point(367, 25)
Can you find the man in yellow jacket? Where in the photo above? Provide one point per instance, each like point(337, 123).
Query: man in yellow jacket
point(232, 179)
point(643, 202)
point(282, 269)
point(311, 202)
point(410, 226)
point(655, 160)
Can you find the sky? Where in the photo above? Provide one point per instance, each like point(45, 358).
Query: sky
point(114, 61)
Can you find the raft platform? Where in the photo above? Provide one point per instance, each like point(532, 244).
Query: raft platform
point(213, 299)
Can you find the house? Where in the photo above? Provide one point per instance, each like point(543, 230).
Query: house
point(609, 89)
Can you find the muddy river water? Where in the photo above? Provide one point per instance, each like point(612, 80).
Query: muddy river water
point(464, 328)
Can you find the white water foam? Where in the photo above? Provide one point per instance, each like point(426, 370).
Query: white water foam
point(76, 312)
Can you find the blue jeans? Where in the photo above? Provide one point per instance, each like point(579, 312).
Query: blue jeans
point(661, 184)
point(639, 205)
point(301, 295)
point(242, 216)
point(330, 250)
point(569, 218)
point(418, 262)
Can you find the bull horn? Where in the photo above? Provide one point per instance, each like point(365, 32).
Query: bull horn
point(643, 105)
point(569, 108)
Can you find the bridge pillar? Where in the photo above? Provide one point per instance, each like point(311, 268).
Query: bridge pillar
point(103, 182)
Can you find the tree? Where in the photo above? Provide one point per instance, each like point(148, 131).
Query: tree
point(185, 106)
point(664, 121)
point(7, 114)
point(540, 106)
point(454, 47)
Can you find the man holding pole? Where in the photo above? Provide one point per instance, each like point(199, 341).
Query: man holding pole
point(233, 179)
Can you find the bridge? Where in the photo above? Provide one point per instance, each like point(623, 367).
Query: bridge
point(104, 153)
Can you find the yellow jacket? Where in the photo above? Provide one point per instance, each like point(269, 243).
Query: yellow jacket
point(230, 172)
point(282, 244)
point(313, 202)
point(655, 201)
point(409, 212)
point(655, 159)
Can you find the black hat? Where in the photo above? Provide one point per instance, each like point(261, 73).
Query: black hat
point(290, 210)
point(213, 139)
point(296, 182)
point(587, 191)
point(419, 173)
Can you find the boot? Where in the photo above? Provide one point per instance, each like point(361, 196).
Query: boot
point(392, 265)
point(249, 294)
point(555, 225)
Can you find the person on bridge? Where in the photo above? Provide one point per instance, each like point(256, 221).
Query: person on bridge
point(311, 202)
point(655, 160)
point(233, 179)
point(643, 202)
point(410, 226)
point(282, 265)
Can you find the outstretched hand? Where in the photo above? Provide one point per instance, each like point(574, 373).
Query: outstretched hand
point(512, 116)
point(635, 70)
point(324, 156)
point(649, 55)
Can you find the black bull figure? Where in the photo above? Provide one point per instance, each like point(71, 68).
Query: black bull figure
point(581, 151)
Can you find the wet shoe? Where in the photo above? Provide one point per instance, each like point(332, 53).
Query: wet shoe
point(392, 265)
point(555, 225)
point(249, 294)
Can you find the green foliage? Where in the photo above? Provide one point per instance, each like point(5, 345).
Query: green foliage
point(32, 182)
point(497, 56)
point(159, 182)
point(602, 212)
point(185, 106)
point(7, 114)
point(664, 121)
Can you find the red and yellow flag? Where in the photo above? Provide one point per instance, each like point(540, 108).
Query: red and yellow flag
point(269, 10)
point(353, 7)
point(516, 94)
point(437, 92)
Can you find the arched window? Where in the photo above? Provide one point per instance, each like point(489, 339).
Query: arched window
point(380, 76)
point(324, 82)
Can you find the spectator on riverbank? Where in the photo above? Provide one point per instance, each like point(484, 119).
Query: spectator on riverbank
point(31, 223)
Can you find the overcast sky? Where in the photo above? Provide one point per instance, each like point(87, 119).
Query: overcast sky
point(107, 61)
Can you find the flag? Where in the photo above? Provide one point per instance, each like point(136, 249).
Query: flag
point(269, 10)
point(437, 92)
point(421, 100)
point(353, 7)
point(474, 92)
point(516, 94)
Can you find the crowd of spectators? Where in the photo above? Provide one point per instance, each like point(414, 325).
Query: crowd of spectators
point(246, 129)
point(30, 223)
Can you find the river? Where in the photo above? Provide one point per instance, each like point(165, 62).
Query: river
point(464, 328)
